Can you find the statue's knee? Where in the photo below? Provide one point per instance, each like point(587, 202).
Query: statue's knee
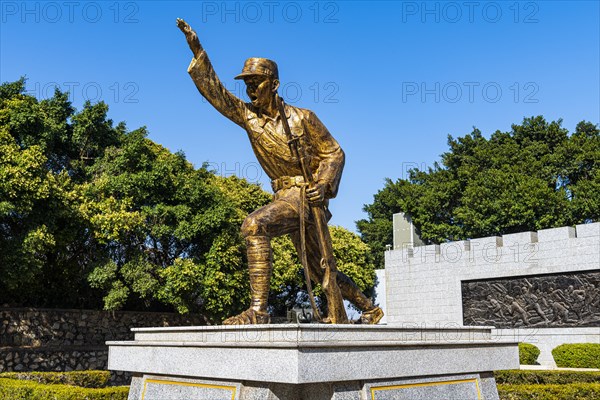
point(252, 227)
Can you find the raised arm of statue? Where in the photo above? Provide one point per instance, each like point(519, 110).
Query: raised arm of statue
point(207, 81)
point(190, 36)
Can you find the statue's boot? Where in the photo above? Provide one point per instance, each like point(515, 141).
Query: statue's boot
point(260, 267)
point(371, 314)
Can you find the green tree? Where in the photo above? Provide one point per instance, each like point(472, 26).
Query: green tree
point(94, 215)
point(536, 176)
point(44, 242)
point(169, 231)
point(288, 285)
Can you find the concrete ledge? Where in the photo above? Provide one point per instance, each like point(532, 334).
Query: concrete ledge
point(309, 335)
point(363, 353)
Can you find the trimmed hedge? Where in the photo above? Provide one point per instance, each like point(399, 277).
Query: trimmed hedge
point(528, 354)
point(86, 379)
point(573, 391)
point(15, 389)
point(577, 355)
point(529, 377)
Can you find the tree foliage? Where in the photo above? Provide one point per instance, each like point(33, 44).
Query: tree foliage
point(95, 215)
point(288, 285)
point(45, 246)
point(535, 176)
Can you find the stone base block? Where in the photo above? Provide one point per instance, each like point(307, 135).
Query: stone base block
point(316, 362)
point(447, 387)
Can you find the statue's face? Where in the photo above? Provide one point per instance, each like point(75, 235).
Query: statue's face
point(260, 90)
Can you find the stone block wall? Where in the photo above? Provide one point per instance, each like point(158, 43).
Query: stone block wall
point(65, 340)
point(424, 283)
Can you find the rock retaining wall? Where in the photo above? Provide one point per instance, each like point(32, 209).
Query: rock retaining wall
point(65, 340)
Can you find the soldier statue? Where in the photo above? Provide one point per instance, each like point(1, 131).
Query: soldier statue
point(290, 211)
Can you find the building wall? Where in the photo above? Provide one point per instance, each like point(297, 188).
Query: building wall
point(380, 294)
point(423, 283)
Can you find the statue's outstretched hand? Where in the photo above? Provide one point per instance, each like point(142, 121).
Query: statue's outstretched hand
point(190, 36)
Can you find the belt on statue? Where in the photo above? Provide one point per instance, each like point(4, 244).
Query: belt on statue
point(286, 182)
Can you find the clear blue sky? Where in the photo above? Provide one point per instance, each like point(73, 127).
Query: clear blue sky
point(389, 79)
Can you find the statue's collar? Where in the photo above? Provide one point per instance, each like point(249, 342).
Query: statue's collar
point(262, 118)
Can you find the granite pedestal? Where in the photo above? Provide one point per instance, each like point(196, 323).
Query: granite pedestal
point(315, 362)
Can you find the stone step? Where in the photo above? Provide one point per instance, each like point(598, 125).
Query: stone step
point(314, 334)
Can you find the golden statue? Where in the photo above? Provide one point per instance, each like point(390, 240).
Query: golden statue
point(304, 163)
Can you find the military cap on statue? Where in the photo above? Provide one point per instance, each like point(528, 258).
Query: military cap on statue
point(259, 66)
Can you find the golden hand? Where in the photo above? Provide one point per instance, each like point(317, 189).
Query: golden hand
point(190, 36)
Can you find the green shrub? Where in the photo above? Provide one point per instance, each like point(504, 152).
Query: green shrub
point(577, 355)
point(87, 379)
point(573, 391)
point(528, 354)
point(15, 389)
point(525, 377)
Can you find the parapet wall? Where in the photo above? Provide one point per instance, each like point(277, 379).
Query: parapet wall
point(423, 284)
point(536, 287)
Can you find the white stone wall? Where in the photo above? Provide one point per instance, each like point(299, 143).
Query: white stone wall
point(423, 284)
point(380, 294)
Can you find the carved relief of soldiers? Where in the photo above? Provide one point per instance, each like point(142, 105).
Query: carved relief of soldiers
point(556, 294)
point(561, 313)
point(592, 299)
point(542, 298)
point(516, 310)
point(577, 303)
point(576, 298)
point(532, 301)
point(496, 307)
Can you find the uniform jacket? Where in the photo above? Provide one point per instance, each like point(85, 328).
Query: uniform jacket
point(267, 137)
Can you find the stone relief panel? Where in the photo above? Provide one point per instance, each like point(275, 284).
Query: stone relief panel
point(541, 301)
